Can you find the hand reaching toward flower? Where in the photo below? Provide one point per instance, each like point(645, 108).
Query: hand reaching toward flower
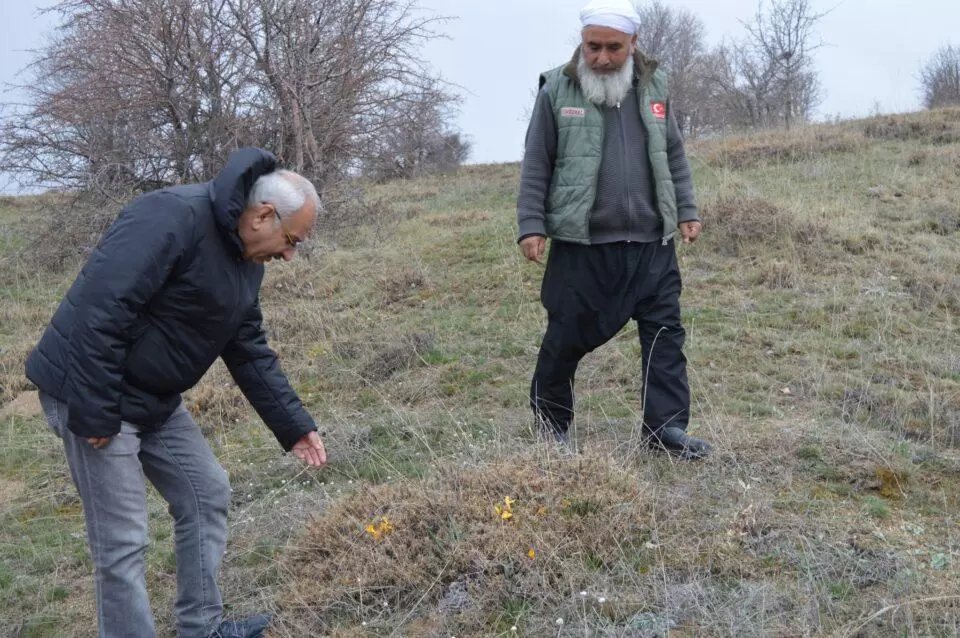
point(310, 450)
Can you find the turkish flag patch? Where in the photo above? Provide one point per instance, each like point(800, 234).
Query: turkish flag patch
point(659, 110)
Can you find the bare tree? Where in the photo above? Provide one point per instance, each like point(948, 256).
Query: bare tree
point(423, 141)
point(676, 38)
point(940, 78)
point(776, 60)
point(133, 94)
point(767, 78)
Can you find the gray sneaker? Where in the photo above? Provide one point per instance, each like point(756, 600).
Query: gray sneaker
point(252, 627)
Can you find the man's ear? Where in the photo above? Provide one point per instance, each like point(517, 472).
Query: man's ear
point(263, 213)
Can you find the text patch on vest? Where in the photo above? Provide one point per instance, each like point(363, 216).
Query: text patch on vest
point(573, 111)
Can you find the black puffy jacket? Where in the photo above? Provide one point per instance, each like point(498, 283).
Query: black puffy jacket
point(162, 296)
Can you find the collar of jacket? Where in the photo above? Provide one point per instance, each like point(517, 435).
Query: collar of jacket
point(231, 187)
point(643, 66)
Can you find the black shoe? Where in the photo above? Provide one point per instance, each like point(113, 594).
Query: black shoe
point(252, 627)
point(552, 435)
point(678, 443)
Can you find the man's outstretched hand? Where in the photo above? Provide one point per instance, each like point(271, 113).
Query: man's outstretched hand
point(310, 450)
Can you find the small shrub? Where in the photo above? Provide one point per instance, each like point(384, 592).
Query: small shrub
point(738, 222)
point(347, 210)
point(397, 356)
point(809, 453)
point(449, 549)
point(876, 507)
point(72, 231)
point(397, 286)
point(777, 274)
point(216, 404)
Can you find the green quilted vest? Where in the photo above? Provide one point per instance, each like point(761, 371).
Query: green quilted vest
point(573, 189)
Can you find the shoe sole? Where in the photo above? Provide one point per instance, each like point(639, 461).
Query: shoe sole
point(685, 454)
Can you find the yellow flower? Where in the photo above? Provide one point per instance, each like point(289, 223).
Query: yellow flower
point(385, 525)
point(381, 528)
point(505, 511)
point(532, 553)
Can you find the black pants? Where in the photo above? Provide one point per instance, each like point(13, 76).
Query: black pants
point(590, 293)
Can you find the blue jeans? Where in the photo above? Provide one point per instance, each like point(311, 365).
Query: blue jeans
point(178, 461)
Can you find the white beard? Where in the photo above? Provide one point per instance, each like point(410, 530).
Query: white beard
point(609, 89)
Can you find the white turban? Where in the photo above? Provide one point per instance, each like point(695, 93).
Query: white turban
point(616, 14)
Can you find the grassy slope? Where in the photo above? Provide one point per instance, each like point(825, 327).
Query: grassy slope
point(821, 308)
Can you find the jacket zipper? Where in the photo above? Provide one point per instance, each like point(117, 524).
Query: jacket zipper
point(623, 164)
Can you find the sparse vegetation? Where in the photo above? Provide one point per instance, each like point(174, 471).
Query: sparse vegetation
point(821, 307)
point(940, 78)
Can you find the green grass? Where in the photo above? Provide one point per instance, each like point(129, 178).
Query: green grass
point(821, 336)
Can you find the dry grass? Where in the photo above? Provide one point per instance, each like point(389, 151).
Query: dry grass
point(766, 149)
point(760, 541)
point(938, 128)
point(821, 307)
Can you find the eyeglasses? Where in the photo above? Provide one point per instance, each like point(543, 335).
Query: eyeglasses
point(292, 240)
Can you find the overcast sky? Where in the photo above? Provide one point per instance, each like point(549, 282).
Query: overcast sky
point(497, 48)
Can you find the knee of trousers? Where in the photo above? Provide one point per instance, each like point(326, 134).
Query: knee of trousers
point(209, 497)
point(668, 335)
point(116, 555)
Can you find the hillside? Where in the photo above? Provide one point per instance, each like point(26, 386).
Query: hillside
point(821, 308)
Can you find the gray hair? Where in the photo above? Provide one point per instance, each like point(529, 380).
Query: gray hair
point(286, 190)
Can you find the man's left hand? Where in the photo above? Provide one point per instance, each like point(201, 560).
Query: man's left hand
point(689, 231)
point(310, 450)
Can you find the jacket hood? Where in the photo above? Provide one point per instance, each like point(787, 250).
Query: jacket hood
point(231, 187)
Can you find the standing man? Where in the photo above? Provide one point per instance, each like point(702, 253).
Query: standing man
point(172, 285)
point(605, 176)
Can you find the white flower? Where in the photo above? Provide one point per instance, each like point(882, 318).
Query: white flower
point(559, 621)
point(601, 600)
